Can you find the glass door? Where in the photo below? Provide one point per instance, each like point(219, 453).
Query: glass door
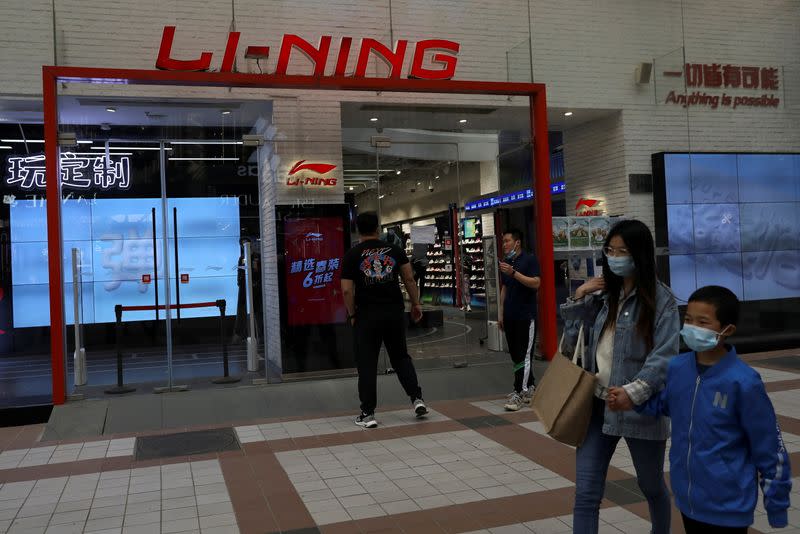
point(115, 276)
point(213, 249)
point(161, 239)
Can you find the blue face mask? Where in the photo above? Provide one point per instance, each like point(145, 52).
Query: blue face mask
point(699, 339)
point(621, 265)
point(511, 255)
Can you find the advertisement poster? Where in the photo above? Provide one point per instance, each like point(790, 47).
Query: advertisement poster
point(560, 236)
point(314, 250)
point(579, 233)
point(600, 227)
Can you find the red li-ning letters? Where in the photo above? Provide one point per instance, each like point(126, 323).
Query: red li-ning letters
point(441, 56)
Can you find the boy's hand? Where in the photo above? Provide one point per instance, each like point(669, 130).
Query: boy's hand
point(618, 400)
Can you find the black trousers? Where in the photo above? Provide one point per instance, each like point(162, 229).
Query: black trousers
point(521, 336)
point(372, 329)
point(697, 527)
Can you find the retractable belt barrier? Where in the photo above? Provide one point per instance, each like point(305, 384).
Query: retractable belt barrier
point(220, 304)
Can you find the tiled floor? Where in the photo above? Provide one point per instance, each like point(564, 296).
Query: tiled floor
point(72, 452)
point(786, 403)
point(469, 467)
point(612, 520)
point(409, 474)
point(497, 406)
point(328, 425)
point(182, 497)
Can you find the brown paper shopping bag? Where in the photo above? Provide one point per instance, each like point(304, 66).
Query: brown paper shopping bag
point(564, 396)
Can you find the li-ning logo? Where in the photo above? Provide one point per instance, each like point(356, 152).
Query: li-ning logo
point(720, 400)
point(320, 169)
point(443, 57)
point(585, 205)
point(313, 236)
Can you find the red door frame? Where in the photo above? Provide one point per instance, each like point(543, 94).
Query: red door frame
point(52, 76)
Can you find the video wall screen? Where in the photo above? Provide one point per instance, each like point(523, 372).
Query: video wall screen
point(731, 220)
point(115, 240)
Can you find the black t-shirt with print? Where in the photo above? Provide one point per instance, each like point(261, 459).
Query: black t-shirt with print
point(374, 268)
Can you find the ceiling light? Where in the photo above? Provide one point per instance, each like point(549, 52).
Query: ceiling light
point(111, 110)
point(85, 142)
point(374, 119)
point(437, 177)
point(381, 196)
point(128, 148)
point(463, 121)
point(226, 112)
point(419, 183)
point(351, 188)
point(22, 140)
point(568, 114)
point(206, 142)
point(4, 147)
point(398, 172)
point(204, 159)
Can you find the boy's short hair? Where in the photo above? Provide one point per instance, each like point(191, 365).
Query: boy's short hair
point(724, 301)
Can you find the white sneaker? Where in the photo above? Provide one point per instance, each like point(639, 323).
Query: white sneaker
point(515, 403)
point(527, 396)
point(366, 421)
point(420, 410)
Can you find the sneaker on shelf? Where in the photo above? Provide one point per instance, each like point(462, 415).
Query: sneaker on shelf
point(366, 421)
point(515, 403)
point(420, 410)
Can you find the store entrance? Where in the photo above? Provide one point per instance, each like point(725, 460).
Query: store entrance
point(419, 189)
point(161, 241)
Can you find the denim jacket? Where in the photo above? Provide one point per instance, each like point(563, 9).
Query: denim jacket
point(631, 360)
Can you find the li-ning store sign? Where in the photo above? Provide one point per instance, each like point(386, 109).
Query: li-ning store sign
point(717, 77)
point(302, 174)
point(443, 59)
point(78, 171)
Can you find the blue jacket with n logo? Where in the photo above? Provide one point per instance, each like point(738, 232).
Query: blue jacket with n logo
point(724, 437)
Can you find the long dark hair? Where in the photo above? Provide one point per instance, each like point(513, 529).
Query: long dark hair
point(639, 241)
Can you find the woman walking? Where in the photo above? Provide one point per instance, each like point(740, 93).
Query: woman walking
point(633, 323)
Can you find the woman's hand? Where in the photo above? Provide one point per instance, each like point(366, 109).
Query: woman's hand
point(618, 400)
point(591, 285)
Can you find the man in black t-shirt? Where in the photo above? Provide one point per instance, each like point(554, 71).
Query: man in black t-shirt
point(520, 273)
point(371, 272)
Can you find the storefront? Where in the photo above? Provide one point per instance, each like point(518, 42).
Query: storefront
point(222, 186)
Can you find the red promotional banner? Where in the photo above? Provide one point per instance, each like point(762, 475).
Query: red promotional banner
point(314, 250)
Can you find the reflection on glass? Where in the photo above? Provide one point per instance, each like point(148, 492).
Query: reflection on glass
point(770, 226)
point(716, 227)
point(682, 273)
point(678, 179)
point(768, 178)
point(680, 229)
point(714, 178)
point(720, 270)
point(771, 274)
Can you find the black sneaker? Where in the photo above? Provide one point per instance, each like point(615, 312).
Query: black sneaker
point(366, 421)
point(420, 410)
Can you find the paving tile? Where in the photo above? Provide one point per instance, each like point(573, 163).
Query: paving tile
point(105, 523)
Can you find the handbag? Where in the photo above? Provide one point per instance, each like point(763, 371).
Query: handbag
point(563, 399)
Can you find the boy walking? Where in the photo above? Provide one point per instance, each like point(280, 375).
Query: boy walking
point(725, 436)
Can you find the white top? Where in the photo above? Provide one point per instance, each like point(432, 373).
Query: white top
point(604, 357)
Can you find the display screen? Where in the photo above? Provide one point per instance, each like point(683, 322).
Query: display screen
point(732, 220)
point(314, 250)
point(470, 228)
point(114, 238)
